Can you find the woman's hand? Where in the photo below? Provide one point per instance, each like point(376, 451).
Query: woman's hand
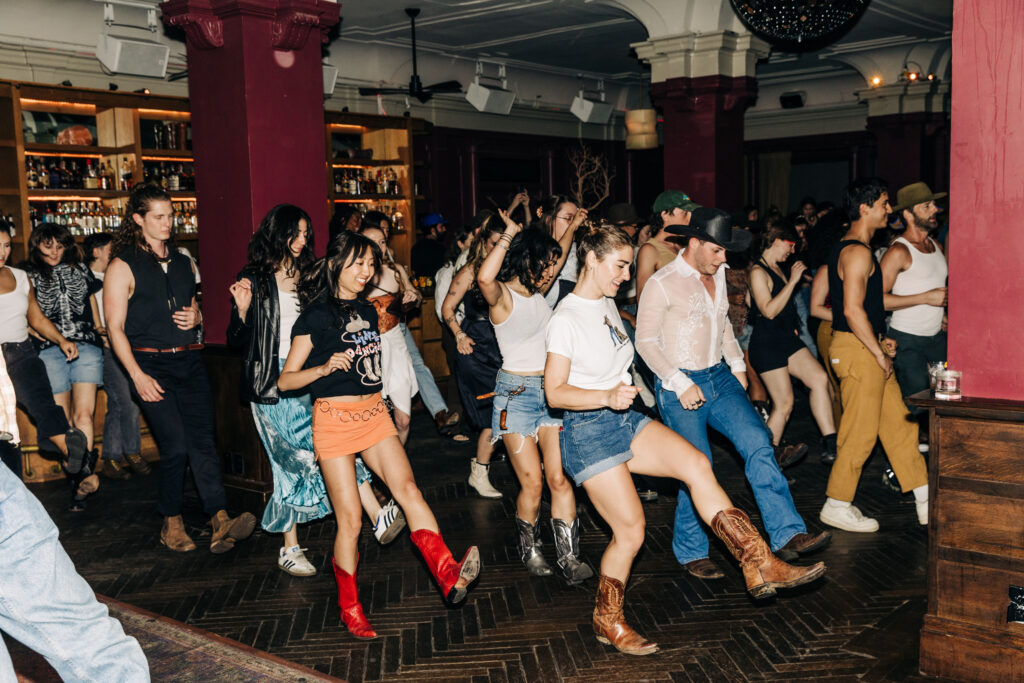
point(241, 292)
point(338, 361)
point(621, 397)
point(69, 349)
point(464, 344)
point(410, 296)
point(797, 270)
point(511, 227)
point(577, 220)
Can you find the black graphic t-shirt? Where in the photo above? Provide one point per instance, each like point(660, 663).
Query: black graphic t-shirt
point(353, 331)
point(64, 299)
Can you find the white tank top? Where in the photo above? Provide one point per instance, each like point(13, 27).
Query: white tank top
point(288, 305)
point(926, 271)
point(521, 336)
point(14, 309)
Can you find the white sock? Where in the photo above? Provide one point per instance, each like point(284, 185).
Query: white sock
point(921, 494)
point(832, 502)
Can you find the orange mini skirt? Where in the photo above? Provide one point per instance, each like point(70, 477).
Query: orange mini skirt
point(349, 427)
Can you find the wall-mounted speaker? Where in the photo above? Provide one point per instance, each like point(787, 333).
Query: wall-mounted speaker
point(590, 111)
point(792, 100)
point(122, 55)
point(330, 78)
point(490, 100)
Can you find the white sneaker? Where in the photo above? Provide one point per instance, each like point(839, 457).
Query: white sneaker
point(922, 512)
point(847, 518)
point(293, 560)
point(390, 522)
point(479, 480)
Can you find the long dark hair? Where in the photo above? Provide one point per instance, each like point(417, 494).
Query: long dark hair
point(44, 234)
point(342, 215)
point(129, 234)
point(319, 282)
point(530, 253)
point(269, 246)
point(385, 260)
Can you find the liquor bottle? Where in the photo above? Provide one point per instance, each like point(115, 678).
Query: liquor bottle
point(173, 180)
point(31, 175)
point(54, 175)
point(126, 175)
point(91, 181)
point(353, 185)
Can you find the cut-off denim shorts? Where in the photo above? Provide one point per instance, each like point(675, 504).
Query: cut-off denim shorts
point(62, 373)
point(594, 441)
point(526, 408)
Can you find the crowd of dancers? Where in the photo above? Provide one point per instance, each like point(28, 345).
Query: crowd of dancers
point(597, 352)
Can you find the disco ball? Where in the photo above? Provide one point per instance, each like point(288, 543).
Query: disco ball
point(799, 25)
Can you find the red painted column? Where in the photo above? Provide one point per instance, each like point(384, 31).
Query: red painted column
point(703, 136)
point(256, 96)
point(911, 148)
point(986, 259)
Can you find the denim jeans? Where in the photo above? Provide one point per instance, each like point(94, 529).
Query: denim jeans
point(802, 300)
point(728, 410)
point(429, 392)
point(121, 425)
point(47, 606)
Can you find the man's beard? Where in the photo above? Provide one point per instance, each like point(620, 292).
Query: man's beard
point(926, 224)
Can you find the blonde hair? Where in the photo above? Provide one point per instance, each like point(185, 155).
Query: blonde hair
point(601, 240)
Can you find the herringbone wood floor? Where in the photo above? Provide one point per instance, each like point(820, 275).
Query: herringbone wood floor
point(859, 623)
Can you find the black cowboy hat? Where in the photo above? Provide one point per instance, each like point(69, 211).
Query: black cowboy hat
point(713, 225)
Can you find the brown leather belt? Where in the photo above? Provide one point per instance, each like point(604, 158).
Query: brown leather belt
point(176, 349)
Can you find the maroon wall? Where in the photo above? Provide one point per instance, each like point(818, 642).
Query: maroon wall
point(986, 243)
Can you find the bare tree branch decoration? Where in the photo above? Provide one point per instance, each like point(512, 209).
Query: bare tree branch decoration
point(592, 182)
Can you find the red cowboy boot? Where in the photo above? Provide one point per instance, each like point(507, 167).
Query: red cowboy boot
point(447, 572)
point(348, 600)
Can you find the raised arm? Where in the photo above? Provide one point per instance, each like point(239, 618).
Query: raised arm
point(819, 293)
point(896, 260)
point(494, 293)
point(761, 289)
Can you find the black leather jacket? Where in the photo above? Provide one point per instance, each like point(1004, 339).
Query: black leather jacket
point(260, 335)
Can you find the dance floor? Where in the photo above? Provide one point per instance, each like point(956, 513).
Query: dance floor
point(860, 623)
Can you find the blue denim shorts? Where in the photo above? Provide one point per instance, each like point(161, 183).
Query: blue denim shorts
point(744, 339)
point(593, 441)
point(526, 409)
point(86, 369)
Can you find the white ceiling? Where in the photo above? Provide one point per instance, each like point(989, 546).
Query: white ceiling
point(581, 35)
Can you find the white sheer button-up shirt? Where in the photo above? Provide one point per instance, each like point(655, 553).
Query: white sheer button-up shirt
point(680, 327)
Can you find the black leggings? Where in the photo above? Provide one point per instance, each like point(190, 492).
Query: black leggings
point(32, 388)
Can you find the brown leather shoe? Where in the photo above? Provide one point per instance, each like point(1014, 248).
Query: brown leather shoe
point(704, 568)
point(174, 536)
point(789, 454)
point(138, 463)
point(609, 624)
point(227, 530)
point(762, 571)
point(116, 469)
point(801, 544)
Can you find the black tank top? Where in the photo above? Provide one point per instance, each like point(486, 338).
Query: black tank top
point(874, 304)
point(787, 321)
point(156, 297)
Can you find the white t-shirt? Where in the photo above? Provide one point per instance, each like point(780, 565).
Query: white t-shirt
point(14, 309)
point(589, 332)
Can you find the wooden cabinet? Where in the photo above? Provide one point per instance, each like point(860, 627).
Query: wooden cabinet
point(972, 632)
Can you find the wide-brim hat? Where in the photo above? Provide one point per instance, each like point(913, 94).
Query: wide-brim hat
point(622, 214)
point(916, 193)
point(713, 225)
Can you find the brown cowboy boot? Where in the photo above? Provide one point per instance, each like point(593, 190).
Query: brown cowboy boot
point(227, 530)
point(174, 536)
point(762, 571)
point(610, 625)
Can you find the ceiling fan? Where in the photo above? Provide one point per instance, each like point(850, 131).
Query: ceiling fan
point(416, 88)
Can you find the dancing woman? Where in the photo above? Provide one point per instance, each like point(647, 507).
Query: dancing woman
point(336, 353)
point(603, 441)
point(513, 280)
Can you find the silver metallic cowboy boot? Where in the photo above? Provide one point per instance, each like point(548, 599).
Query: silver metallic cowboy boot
point(567, 545)
point(529, 549)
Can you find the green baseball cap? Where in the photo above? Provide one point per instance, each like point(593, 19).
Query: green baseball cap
point(670, 199)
